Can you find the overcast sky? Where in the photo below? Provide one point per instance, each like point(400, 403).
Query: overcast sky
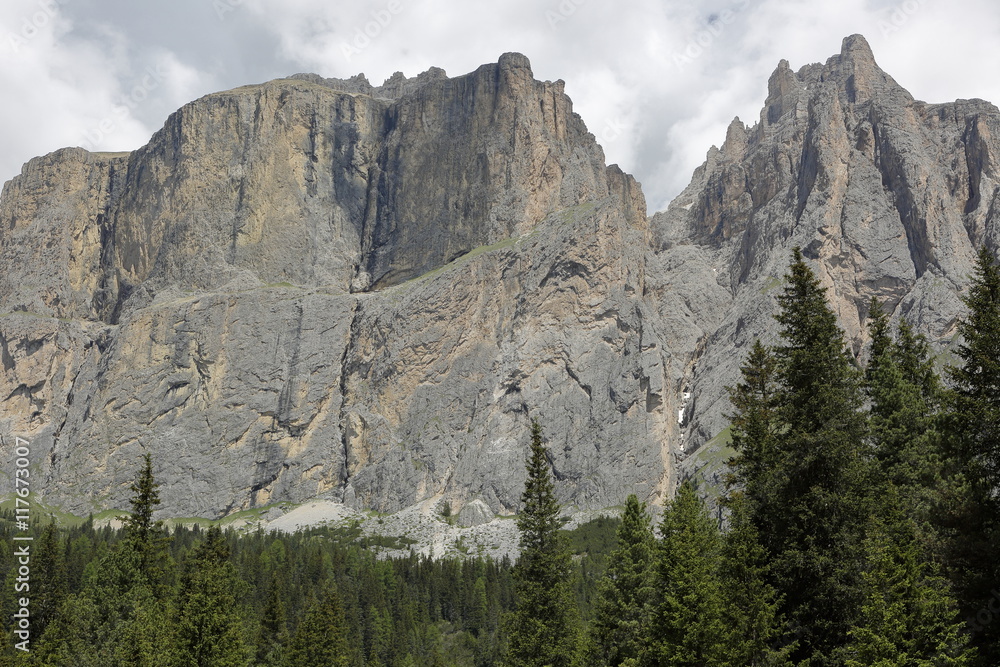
point(656, 81)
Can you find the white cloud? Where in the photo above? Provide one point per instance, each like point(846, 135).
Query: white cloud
point(657, 82)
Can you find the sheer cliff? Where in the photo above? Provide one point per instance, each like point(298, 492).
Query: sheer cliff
point(320, 287)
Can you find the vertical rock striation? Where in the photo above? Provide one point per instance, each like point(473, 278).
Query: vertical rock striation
point(889, 197)
point(320, 287)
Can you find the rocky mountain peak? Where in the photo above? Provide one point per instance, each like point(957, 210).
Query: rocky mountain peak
point(888, 196)
point(316, 286)
point(856, 50)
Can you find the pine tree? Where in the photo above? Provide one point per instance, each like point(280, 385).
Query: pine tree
point(909, 616)
point(818, 498)
point(321, 638)
point(755, 427)
point(757, 628)
point(544, 628)
point(969, 515)
point(210, 625)
point(49, 587)
point(625, 600)
point(689, 626)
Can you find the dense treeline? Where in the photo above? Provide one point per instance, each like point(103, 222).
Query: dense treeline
point(861, 527)
point(143, 595)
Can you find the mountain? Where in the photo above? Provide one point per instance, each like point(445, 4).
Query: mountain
point(888, 196)
point(322, 288)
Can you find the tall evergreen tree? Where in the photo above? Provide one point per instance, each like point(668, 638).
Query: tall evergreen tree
point(903, 390)
point(977, 381)
point(905, 399)
point(210, 625)
point(757, 631)
point(688, 626)
point(755, 428)
point(544, 629)
point(815, 499)
point(970, 515)
point(626, 594)
point(49, 587)
point(909, 616)
point(123, 614)
point(272, 633)
point(321, 638)
point(140, 527)
point(145, 544)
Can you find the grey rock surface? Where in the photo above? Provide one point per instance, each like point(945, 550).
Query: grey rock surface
point(314, 289)
point(317, 288)
point(886, 195)
point(475, 513)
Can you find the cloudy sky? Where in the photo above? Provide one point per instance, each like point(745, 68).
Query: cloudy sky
point(656, 81)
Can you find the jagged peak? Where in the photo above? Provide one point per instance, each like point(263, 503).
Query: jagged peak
point(394, 87)
point(855, 48)
point(853, 71)
point(514, 60)
point(735, 144)
point(782, 93)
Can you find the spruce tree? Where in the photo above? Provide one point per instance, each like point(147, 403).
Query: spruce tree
point(544, 628)
point(970, 512)
point(688, 626)
point(145, 544)
point(122, 616)
point(755, 427)
point(321, 638)
point(272, 633)
point(904, 394)
point(139, 525)
point(625, 595)
point(73, 637)
point(977, 381)
point(909, 616)
point(49, 586)
point(757, 631)
point(818, 493)
point(210, 626)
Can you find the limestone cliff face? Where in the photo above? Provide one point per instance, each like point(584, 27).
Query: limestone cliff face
point(887, 195)
point(319, 287)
